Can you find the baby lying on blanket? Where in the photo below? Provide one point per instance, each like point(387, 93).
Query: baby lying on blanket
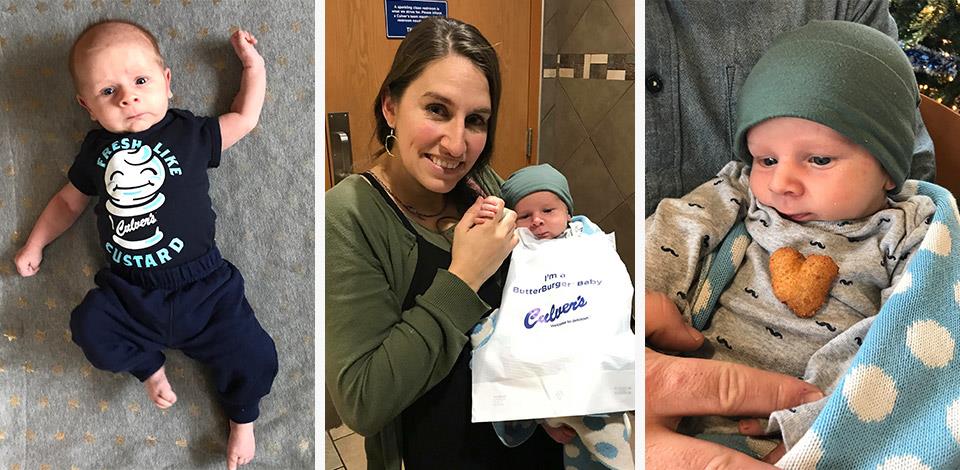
point(541, 197)
point(825, 128)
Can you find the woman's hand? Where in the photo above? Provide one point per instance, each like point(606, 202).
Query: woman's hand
point(678, 387)
point(479, 250)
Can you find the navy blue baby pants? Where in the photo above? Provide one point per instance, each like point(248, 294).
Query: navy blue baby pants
point(198, 308)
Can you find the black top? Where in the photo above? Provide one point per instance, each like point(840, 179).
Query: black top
point(154, 209)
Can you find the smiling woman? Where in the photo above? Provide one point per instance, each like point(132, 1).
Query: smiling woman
point(400, 295)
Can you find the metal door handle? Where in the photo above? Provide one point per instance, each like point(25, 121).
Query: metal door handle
point(340, 151)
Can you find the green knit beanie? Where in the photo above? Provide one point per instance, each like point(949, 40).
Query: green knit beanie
point(846, 76)
point(531, 179)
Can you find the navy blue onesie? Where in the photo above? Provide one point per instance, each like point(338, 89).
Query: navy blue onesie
point(167, 285)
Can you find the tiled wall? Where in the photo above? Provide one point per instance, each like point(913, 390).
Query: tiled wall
point(586, 109)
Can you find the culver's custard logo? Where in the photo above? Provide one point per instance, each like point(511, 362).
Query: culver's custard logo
point(534, 316)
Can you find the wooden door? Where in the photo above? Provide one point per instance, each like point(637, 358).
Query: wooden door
point(358, 56)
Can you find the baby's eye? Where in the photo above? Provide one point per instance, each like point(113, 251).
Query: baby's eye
point(820, 161)
point(766, 161)
point(523, 216)
point(141, 80)
point(107, 91)
point(548, 210)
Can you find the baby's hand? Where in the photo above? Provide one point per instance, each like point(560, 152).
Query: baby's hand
point(491, 207)
point(28, 261)
point(563, 434)
point(243, 42)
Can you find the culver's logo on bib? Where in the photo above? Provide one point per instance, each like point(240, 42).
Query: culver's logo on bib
point(533, 317)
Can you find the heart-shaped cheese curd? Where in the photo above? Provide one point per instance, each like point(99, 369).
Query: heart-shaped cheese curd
point(802, 283)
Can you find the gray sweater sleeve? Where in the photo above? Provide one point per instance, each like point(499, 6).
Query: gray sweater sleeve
point(683, 231)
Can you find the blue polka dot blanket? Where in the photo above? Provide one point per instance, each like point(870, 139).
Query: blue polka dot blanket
point(898, 404)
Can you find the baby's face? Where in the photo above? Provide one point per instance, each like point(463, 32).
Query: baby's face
point(808, 171)
point(543, 213)
point(122, 84)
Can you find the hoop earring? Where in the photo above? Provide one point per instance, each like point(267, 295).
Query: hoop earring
point(386, 143)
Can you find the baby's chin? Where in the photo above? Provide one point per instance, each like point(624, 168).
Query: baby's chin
point(546, 236)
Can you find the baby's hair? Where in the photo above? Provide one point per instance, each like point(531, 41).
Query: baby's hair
point(88, 29)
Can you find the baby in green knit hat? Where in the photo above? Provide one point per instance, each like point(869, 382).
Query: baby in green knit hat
point(824, 137)
point(541, 197)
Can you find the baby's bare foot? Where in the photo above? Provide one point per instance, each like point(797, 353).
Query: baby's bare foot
point(241, 446)
point(159, 390)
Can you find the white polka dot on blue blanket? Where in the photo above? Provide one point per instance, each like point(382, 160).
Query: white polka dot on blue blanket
point(904, 284)
point(870, 393)
point(739, 248)
point(702, 298)
point(606, 449)
point(930, 343)
point(953, 419)
point(903, 462)
point(571, 450)
point(937, 239)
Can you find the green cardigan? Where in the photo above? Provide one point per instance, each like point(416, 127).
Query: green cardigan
point(380, 359)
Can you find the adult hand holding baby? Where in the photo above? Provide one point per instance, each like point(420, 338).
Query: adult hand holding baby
point(678, 387)
point(479, 248)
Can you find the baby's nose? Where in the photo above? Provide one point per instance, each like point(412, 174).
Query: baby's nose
point(129, 99)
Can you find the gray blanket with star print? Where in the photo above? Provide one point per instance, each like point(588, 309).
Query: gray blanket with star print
point(58, 412)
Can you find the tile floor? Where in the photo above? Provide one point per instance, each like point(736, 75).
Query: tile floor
point(344, 450)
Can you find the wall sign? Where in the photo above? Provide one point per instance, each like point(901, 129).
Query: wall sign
point(403, 15)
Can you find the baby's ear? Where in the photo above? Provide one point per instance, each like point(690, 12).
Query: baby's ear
point(166, 77)
point(889, 184)
point(83, 104)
